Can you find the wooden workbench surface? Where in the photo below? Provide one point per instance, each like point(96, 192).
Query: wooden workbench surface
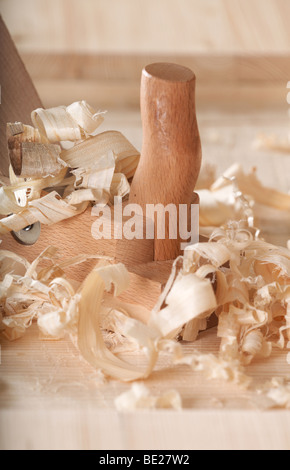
point(50, 398)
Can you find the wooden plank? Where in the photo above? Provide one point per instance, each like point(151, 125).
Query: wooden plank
point(166, 26)
point(125, 95)
point(113, 81)
point(255, 69)
point(92, 429)
point(18, 95)
point(47, 382)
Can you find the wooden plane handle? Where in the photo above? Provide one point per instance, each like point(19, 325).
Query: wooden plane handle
point(171, 152)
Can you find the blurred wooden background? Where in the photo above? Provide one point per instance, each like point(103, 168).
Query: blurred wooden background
point(150, 26)
point(95, 49)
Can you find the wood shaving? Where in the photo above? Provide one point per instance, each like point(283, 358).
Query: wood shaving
point(139, 397)
point(272, 142)
point(228, 197)
point(277, 391)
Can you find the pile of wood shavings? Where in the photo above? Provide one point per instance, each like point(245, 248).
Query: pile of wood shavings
point(61, 165)
point(244, 280)
point(236, 275)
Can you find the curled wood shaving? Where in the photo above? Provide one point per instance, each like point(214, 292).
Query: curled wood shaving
point(86, 153)
point(251, 186)
point(272, 142)
point(229, 195)
point(71, 123)
point(56, 124)
point(98, 176)
point(48, 210)
point(19, 136)
point(191, 296)
point(139, 397)
point(40, 160)
point(277, 391)
point(31, 155)
point(84, 115)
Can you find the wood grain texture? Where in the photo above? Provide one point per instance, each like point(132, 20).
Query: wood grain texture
point(95, 51)
point(96, 429)
point(170, 27)
point(74, 236)
point(147, 281)
point(18, 95)
point(171, 152)
point(258, 69)
point(113, 81)
point(51, 399)
point(143, 291)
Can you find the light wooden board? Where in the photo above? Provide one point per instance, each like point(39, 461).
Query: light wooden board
point(147, 26)
point(96, 50)
point(50, 398)
point(111, 80)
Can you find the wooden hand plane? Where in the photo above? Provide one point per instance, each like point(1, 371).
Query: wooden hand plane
point(166, 175)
